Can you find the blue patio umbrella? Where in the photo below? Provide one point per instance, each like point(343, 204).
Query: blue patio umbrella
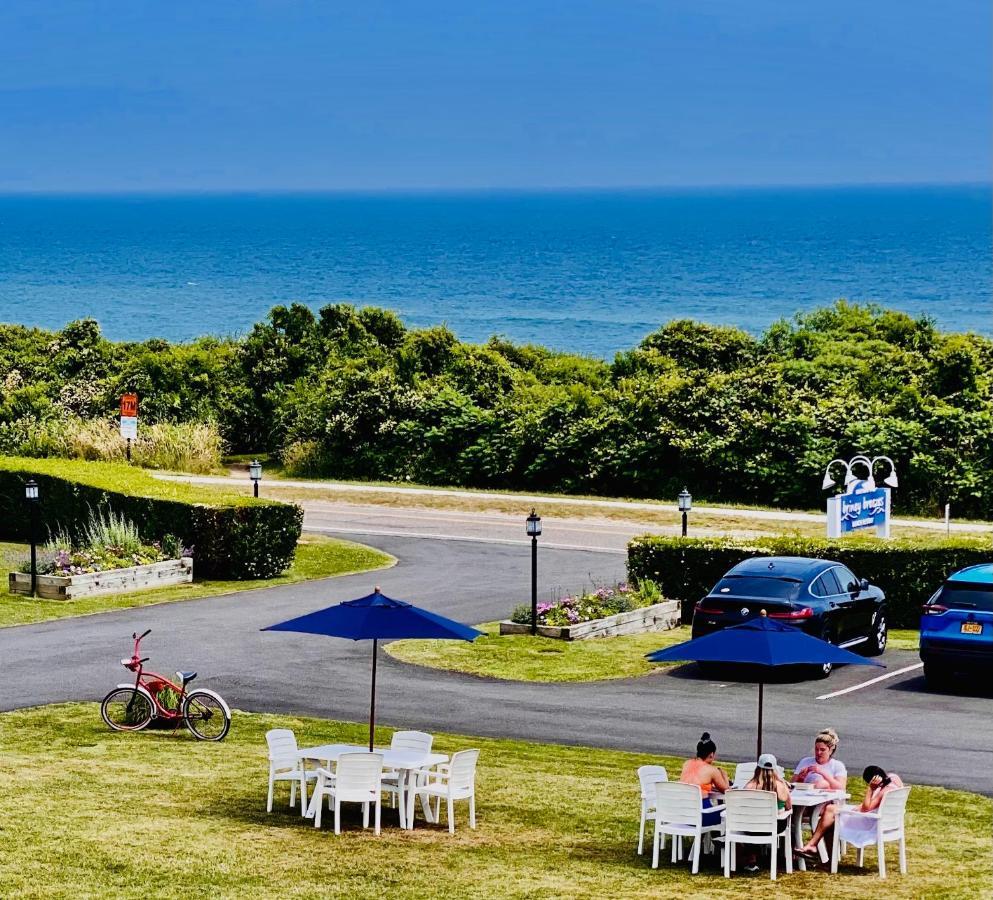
point(377, 617)
point(760, 642)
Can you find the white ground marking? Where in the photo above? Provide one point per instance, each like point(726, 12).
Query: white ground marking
point(865, 684)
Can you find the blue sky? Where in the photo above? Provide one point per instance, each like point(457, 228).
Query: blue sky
point(283, 95)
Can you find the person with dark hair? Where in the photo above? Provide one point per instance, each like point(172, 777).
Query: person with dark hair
point(701, 771)
point(861, 830)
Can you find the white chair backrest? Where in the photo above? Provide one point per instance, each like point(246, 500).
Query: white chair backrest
point(648, 775)
point(679, 803)
point(743, 773)
point(463, 769)
point(360, 772)
point(892, 808)
point(412, 740)
point(752, 811)
point(282, 746)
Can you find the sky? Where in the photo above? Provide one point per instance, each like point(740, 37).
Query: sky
point(273, 95)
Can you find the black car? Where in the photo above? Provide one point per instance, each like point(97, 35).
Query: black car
point(821, 597)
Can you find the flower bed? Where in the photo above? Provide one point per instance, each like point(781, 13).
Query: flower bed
point(111, 559)
point(108, 581)
point(605, 612)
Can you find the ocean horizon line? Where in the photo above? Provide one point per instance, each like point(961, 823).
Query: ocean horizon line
point(490, 191)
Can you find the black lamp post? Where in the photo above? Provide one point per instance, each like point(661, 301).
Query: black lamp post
point(533, 527)
point(31, 495)
point(255, 473)
point(685, 505)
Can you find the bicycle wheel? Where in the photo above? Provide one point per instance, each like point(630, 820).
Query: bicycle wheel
point(205, 716)
point(126, 709)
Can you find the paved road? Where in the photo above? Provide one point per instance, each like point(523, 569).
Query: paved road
point(924, 737)
point(551, 500)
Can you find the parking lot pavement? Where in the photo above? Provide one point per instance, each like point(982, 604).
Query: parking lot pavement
point(898, 724)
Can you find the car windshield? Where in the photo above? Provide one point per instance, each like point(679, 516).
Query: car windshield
point(966, 596)
point(757, 586)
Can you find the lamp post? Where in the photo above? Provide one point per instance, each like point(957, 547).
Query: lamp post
point(31, 495)
point(255, 473)
point(685, 505)
point(533, 528)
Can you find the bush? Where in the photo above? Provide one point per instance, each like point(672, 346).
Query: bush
point(687, 568)
point(232, 536)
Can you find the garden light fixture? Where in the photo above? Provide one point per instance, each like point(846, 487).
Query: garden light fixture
point(533, 528)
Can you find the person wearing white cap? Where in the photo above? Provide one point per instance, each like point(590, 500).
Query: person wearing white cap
point(766, 778)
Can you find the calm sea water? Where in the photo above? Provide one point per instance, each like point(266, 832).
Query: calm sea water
point(583, 271)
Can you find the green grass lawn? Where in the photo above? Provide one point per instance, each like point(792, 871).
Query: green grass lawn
point(91, 813)
point(316, 557)
point(520, 657)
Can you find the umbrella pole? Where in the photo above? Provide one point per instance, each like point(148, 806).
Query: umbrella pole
point(372, 699)
point(758, 750)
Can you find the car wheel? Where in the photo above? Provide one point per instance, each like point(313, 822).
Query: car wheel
point(879, 634)
point(825, 669)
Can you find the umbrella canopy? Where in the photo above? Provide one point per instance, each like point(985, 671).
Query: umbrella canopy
point(761, 642)
point(377, 617)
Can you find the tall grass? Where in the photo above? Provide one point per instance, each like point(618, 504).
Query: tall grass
point(184, 446)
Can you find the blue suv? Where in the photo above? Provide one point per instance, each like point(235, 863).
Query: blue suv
point(957, 626)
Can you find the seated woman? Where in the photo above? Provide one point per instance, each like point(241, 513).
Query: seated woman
point(766, 778)
point(824, 771)
point(861, 830)
point(701, 771)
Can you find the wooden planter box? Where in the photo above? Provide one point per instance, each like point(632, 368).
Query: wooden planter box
point(658, 617)
point(114, 581)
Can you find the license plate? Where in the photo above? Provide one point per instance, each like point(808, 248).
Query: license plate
point(972, 628)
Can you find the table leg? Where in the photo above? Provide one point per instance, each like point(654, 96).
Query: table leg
point(798, 838)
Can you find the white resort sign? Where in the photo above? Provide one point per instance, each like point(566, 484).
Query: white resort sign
point(863, 505)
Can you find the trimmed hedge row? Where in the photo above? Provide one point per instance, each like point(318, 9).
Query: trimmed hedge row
point(908, 572)
point(232, 536)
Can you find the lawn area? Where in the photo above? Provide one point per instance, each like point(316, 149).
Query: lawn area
point(316, 557)
point(520, 657)
point(91, 813)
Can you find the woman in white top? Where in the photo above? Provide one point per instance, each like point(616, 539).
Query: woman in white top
point(823, 771)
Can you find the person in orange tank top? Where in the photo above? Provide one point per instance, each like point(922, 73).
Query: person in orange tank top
point(701, 771)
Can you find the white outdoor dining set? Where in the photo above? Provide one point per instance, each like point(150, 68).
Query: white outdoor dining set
point(407, 770)
point(753, 817)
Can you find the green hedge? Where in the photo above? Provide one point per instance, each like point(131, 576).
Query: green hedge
point(232, 536)
point(907, 571)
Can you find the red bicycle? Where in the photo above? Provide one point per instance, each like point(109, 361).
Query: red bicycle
point(131, 707)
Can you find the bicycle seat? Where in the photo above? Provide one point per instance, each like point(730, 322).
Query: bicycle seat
point(186, 677)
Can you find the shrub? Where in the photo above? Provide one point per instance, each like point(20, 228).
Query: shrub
point(687, 568)
point(232, 536)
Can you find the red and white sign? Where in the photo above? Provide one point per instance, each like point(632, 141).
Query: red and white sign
point(129, 406)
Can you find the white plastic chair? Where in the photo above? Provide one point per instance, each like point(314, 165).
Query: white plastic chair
point(455, 780)
point(417, 741)
point(889, 821)
point(647, 776)
point(679, 812)
point(356, 779)
point(285, 765)
point(745, 772)
point(753, 817)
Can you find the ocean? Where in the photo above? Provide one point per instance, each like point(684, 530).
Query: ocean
point(584, 271)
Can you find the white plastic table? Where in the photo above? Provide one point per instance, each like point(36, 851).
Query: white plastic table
point(803, 799)
point(405, 762)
